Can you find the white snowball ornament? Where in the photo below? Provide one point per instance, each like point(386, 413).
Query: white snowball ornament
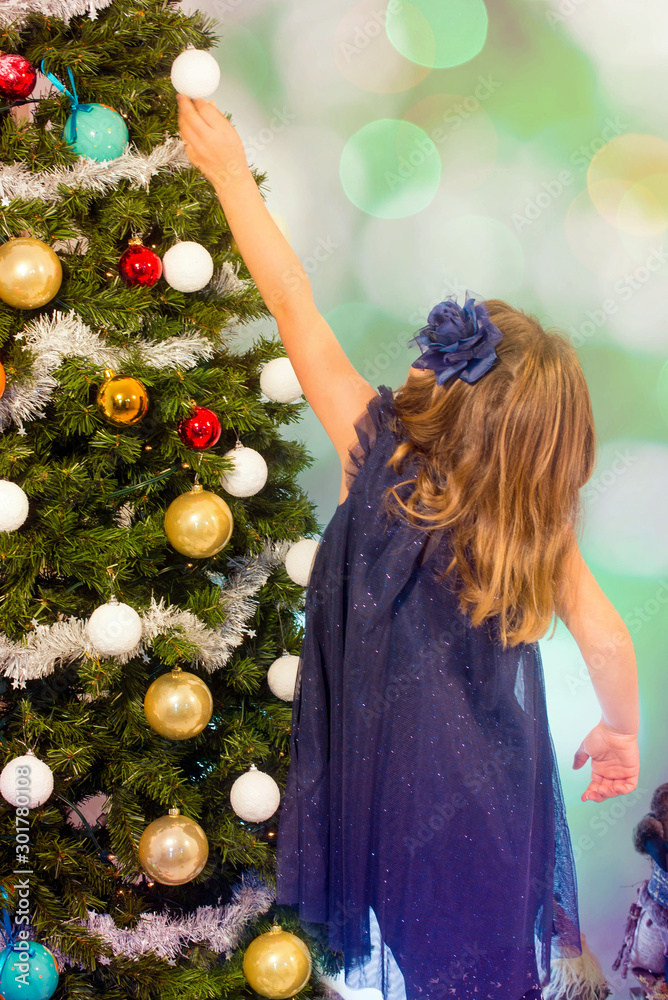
point(187, 266)
point(114, 628)
point(299, 560)
point(249, 474)
point(195, 73)
point(279, 382)
point(255, 796)
point(26, 781)
point(13, 506)
point(282, 676)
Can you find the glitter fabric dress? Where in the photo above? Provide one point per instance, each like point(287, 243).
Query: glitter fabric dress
point(422, 832)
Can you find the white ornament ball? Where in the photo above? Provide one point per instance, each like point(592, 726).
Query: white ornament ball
point(279, 382)
point(282, 677)
point(187, 266)
point(195, 73)
point(13, 506)
point(299, 560)
point(255, 796)
point(26, 781)
point(114, 628)
point(249, 474)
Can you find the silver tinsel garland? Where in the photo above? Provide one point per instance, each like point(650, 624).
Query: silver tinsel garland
point(216, 927)
point(18, 181)
point(15, 12)
point(50, 646)
point(63, 335)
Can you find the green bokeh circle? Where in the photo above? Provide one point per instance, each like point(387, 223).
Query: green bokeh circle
point(390, 169)
point(437, 33)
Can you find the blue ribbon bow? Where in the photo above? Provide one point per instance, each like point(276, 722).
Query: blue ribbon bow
point(458, 341)
point(59, 85)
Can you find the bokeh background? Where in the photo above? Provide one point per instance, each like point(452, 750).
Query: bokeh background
point(516, 148)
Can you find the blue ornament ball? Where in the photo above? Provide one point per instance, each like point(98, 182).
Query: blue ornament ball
point(28, 971)
point(96, 131)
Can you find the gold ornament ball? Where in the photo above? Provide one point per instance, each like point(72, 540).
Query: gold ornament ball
point(122, 400)
point(198, 523)
point(178, 705)
point(173, 849)
point(30, 273)
point(277, 964)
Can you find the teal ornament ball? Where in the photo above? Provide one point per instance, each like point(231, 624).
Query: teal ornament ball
point(96, 131)
point(28, 971)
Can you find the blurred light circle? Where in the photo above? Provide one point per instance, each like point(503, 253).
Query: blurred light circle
point(603, 248)
point(390, 169)
point(640, 297)
point(366, 58)
point(437, 33)
point(628, 183)
point(662, 391)
point(626, 528)
point(463, 133)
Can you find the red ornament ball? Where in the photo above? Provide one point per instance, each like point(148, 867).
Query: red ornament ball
point(17, 76)
point(200, 430)
point(139, 266)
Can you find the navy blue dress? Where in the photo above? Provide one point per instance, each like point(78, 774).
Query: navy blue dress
point(422, 832)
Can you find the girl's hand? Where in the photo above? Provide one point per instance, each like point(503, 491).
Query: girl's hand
point(212, 144)
point(615, 762)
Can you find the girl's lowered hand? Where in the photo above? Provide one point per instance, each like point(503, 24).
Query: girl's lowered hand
point(212, 143)
point(615, 762)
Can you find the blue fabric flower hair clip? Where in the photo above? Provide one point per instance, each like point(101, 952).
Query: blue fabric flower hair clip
point(457, 341)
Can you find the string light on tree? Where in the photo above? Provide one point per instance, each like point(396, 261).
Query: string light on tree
point(195, 73)
point(139, 265)
point(198, 523)
point(249, 474)
point(114, 628)
point(187, 266)
point(178, 705)
point(26, 781)
point(255, 796)
point(277, 964)
point(30, 273)
point(282, 676)
point(3, 379)
point(122, 400)
point(173, 850)
point(28, 971)
point(279, 382)
point(14, 505)
point(299, 560)
point(200, 430)
point(17, 76)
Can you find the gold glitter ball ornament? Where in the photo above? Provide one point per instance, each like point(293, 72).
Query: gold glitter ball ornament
point(178, 705)
point(30, 273)
point(122, 400)
point(277, 964)
point(173, 849)
point(198, 523)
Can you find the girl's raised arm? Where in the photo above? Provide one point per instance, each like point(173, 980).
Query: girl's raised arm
point(607, 649)
point(336, 391)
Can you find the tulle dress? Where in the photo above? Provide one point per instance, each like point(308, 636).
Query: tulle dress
point(422, 832)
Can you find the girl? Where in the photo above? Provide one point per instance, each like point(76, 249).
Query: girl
point(423, 831)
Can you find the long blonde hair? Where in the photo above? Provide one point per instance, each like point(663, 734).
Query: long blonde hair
point(500, 464)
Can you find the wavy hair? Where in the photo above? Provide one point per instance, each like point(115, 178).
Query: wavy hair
point(500, 466)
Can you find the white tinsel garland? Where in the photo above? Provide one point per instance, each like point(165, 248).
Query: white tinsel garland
point(64, 335)
point(218, 928)
point(50, 646)
point(18, 181)
point(15, 12)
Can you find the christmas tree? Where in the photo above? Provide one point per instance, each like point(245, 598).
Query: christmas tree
point(148, 505)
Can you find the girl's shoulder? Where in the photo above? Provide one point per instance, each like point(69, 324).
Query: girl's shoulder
point(378, 419)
